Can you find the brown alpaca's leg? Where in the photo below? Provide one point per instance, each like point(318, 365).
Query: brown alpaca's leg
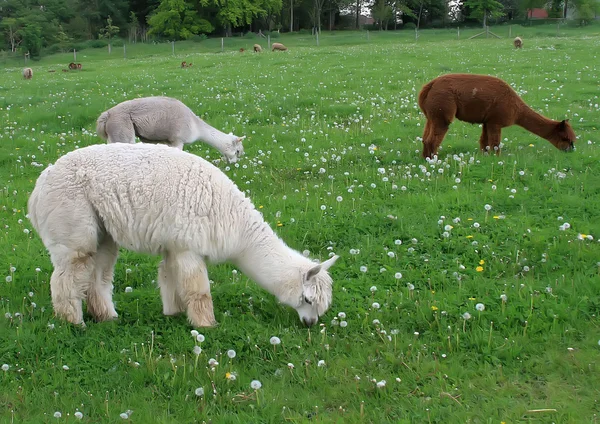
point(427, 147)
point(483, 140)
point(493, 137)
point(434, 140)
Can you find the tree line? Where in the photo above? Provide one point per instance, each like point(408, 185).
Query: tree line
point(32, 25)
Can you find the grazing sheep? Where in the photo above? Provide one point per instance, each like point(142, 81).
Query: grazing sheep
point(27, 73)
point(166, 202)
point(257, 48)
point(278, 46)
point(518, 43)
point(164, 120)
point(482, 99)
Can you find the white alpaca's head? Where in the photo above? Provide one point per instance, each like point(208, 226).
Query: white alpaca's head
point(234, 149)
point(312, 298)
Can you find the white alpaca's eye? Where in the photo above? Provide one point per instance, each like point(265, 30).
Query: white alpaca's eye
point(307, 301)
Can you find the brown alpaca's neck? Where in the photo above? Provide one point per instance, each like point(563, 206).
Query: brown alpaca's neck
point(536, 123)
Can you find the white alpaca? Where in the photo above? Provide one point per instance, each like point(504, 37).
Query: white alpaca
point(164, 120)
point(159, 200)
point(27, 73)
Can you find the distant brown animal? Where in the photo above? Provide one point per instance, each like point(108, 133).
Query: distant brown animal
point(242, 50)
point(79, 66)
point(51, 70)
point(487, 100)
point(518, 43)
point(279, 47)
point(72, 65)
point(184, 64)
point(257, 48)
point(65, 70)
point(27, 73)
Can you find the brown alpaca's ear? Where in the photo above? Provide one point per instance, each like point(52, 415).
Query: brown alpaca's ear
point(563, 124)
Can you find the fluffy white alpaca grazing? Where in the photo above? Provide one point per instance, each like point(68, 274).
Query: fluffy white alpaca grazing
point(159, 200)
point(164, 120)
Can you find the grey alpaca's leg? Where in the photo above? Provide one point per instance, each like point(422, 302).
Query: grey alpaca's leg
point(119, 129)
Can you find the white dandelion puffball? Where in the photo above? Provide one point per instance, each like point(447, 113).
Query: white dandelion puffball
point(503, 297)
point(398, 275)
point(466, 316)
point(200, 338)
point(255, 384)
point(488, 207)
point(128, 289)
point(197, 350)
point(343, 324)
point(199, 391)
point(275, 340)
point(5, 367)
point(194, 333)
point(381, 384)
point(480, 307)
point(362, 269)
point(375, 305)
point(57, 414)
point(213, 362)
point(290, 365)
point(321, 363)
point(373, 289)
point(124, 415)
point(231, 353)
point(66, 367)
point(78, 415)
point(342, 315)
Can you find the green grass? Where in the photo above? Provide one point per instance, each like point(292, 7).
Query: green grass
point(337, 120)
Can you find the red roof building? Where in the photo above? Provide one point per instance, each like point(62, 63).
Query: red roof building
point(537, 13)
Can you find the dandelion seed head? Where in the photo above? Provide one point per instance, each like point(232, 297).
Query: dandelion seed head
point(57, 414)
point(199, 391)
point(255, 384)
point(231, 353)
point(275, 340)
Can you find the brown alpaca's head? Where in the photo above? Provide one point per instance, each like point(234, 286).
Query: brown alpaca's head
point(563, 137)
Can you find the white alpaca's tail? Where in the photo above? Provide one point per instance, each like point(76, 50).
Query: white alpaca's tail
point(101, 125)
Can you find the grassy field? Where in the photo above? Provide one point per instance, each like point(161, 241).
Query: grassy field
point(444, 311)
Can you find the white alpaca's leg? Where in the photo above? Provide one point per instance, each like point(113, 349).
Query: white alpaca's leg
point(73, 274)
point(193, 287)
point(172, 303)
point(99, 296)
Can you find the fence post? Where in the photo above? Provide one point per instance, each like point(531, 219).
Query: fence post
point(74, 55)
point(317, 38)
point(173, 47)
point(458, 33)
point(269, 41)
point(557, 27)
point(510, 31)
point(222, 44)
point(124, 52)
point(367, 35)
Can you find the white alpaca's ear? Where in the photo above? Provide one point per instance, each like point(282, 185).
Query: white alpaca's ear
point(240, 139)
point(312, 272)
point(329, 262)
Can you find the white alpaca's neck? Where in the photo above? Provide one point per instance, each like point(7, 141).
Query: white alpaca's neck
point(272, 264)
point(210, 135)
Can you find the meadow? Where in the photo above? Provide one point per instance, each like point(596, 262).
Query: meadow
point(468, 287)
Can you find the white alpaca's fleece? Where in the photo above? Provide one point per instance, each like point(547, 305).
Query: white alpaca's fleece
point(160, 119)
point(159, 200)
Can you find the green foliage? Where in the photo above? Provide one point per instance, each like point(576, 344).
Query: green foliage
point(483, 9)
point(586, 10)
point(199, 38)
point(176, 19)
point(32, 39)
point(110, 30)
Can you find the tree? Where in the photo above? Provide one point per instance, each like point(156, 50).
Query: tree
point(586, 10)
point(12, 27)
point(134, 27)
point(178, 20)
point(485, 9)
point(62, 38)
point(382, 12)
point(32, 38)
point(109, 31)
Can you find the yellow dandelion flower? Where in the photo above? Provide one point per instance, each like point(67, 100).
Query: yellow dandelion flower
point(469, 237)
point(434, 308)
point(279, 224)
point(531, 145)
point(432, 291)
point(260, 207)
point(228, 375)
point(481, 262)
point(375, 148)
point(479, 269)
point(472, 298)
point(496, 217)
point(469, 219)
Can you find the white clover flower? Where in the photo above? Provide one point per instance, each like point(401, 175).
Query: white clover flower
point(466, 316)
point(231, 353)
point(5, 367)
point(255, 384)
point(78, 415)
point(343, 324)
point(275, 340)
point(398, 275)
point(200, 338)
point(321, 363)
point(373, 289)
point(57, 414)
point(197, 350)
point(487, 207)
point(480, 307)
point(199, 391)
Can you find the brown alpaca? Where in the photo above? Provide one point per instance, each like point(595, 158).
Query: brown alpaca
point(257, 48)
point(482, 99)
point(27, 73)
point(278, 46)
point(518, 43)
point(242, 50)
point(72, 65)
point(79, 66)
point(184, 64)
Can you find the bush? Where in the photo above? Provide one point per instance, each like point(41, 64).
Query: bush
point(117, 42)
point(96, 44)
point(198, 38)
point(409, 25)
point(250, 35)
point(53, 49)
point(304, 31)
point(273, 34)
